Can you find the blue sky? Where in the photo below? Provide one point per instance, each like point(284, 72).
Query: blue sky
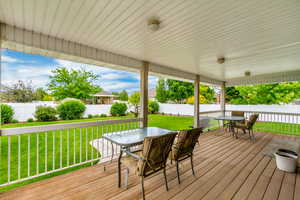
point(36, 69)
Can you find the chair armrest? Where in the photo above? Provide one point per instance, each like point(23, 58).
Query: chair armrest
point(134, 155)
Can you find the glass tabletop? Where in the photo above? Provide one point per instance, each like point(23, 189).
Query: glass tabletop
point(134, 136)
point(230, 118)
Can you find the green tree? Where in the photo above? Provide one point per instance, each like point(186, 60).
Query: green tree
point(208, 93)
point(40, 94)
point(179, 91)
point(79, 84)
point(161, 91)
point(123, 96)
point(264, 94)
point(231, 93)
point(134, 100)
point(19, 92)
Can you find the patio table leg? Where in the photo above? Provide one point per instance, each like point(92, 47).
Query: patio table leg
point(119, 168)
point(112, 152)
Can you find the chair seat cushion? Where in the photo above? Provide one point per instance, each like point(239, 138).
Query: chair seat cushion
point(174, 155)
point(240, 125)
point(131, 162)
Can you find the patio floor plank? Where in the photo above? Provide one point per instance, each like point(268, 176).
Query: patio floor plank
point(226, 168)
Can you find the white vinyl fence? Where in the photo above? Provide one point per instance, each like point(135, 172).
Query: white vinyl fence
point(23, 111)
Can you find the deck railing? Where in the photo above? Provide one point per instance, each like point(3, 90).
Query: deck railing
point(275, 122)
point(30, 152)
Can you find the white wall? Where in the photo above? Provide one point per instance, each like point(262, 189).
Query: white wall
point(23, 111)
point(187, 109)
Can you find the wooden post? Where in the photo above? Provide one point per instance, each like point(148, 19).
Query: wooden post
point(222, 99)
point(144, 95)
point(196, 102)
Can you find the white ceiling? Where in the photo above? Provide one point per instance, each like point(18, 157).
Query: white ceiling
point(261, 36)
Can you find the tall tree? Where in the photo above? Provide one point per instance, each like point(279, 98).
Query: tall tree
point(123, 96)
point(79, 84)
point(161, 91)
point(41, 94)
point(179, 91)
point(264, 94)
point(208, 93)
point(134, 100)
point(19, 92)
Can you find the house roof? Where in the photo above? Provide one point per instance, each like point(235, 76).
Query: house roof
point(104, 94)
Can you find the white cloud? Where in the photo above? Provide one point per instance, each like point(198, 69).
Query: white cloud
point(14, 69)
point(8, 59)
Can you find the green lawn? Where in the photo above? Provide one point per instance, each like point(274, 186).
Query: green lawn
point(53, 145)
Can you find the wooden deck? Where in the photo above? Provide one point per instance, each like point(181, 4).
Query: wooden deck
point(226, 168)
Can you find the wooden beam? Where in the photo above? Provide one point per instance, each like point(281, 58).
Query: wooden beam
point(222, 99)
point(144, 95)
point(196, 102)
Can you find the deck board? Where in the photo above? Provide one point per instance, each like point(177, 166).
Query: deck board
point(226, 168)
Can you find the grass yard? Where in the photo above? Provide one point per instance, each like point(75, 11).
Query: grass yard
point(49, 150)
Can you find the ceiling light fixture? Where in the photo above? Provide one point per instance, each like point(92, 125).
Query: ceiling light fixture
point(247, 73)
point(153, 24)
point(221, 60)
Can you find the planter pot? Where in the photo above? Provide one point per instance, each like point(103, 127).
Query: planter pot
point(286, 160)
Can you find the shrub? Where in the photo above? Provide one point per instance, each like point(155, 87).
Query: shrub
point(153, 107)
point(14, 121)
point(30, 120)
point(103, 115)
point(118, 109)
point(90, 116)
point(45, 113)
point(6, 113)
point(71, 109)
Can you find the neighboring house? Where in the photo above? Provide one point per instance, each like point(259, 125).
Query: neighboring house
point(152, 94)
point(103, 98)
point(297, 102)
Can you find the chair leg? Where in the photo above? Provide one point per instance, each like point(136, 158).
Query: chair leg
point(253, 136)
point(244, 131)
point(166, 181)
point(126, 177)
point(192, 165)
point(177, 169)
point(142, 187)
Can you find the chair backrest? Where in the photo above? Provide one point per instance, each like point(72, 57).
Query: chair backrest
point(155, 153)
point(253, 118)
point(237, 113)
point(186, 142)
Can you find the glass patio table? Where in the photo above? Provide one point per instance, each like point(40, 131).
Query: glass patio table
point(231, 120)
point(128, 138)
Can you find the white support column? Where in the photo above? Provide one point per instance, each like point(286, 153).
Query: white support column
point(222, 99)
point(196, 102)
point(144, 95)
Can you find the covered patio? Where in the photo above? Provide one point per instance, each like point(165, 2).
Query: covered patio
point(216, 42)
point(225, 169)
